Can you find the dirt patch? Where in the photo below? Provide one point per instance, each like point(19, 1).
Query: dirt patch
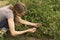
point(3, 3)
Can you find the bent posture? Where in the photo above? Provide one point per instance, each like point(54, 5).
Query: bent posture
point(11, 15)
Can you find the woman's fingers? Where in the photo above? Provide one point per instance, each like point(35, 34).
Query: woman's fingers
point(38, 25)
point(32, 30)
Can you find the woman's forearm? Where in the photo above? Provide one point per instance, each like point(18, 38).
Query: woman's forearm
point(19, 32)
point(25, 22)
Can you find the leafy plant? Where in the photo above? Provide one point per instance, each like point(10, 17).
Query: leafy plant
point(45, 11)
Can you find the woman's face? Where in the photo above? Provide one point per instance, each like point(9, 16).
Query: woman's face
point(21, 14)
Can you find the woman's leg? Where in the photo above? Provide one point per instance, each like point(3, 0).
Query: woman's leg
point(4, 25)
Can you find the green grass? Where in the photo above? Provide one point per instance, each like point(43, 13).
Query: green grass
point(45, 11)
point(24, 37)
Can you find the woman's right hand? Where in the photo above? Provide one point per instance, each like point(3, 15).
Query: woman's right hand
point(32, 30)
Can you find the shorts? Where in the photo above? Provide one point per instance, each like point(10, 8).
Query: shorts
point(4, 24)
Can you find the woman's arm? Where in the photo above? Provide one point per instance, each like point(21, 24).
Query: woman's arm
point(28, 23)
point(14, 32)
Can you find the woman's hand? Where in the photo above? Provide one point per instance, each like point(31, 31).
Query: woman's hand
point(32, 30)
point(38, 25)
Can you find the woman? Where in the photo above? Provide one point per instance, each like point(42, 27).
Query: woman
point(11, 15)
